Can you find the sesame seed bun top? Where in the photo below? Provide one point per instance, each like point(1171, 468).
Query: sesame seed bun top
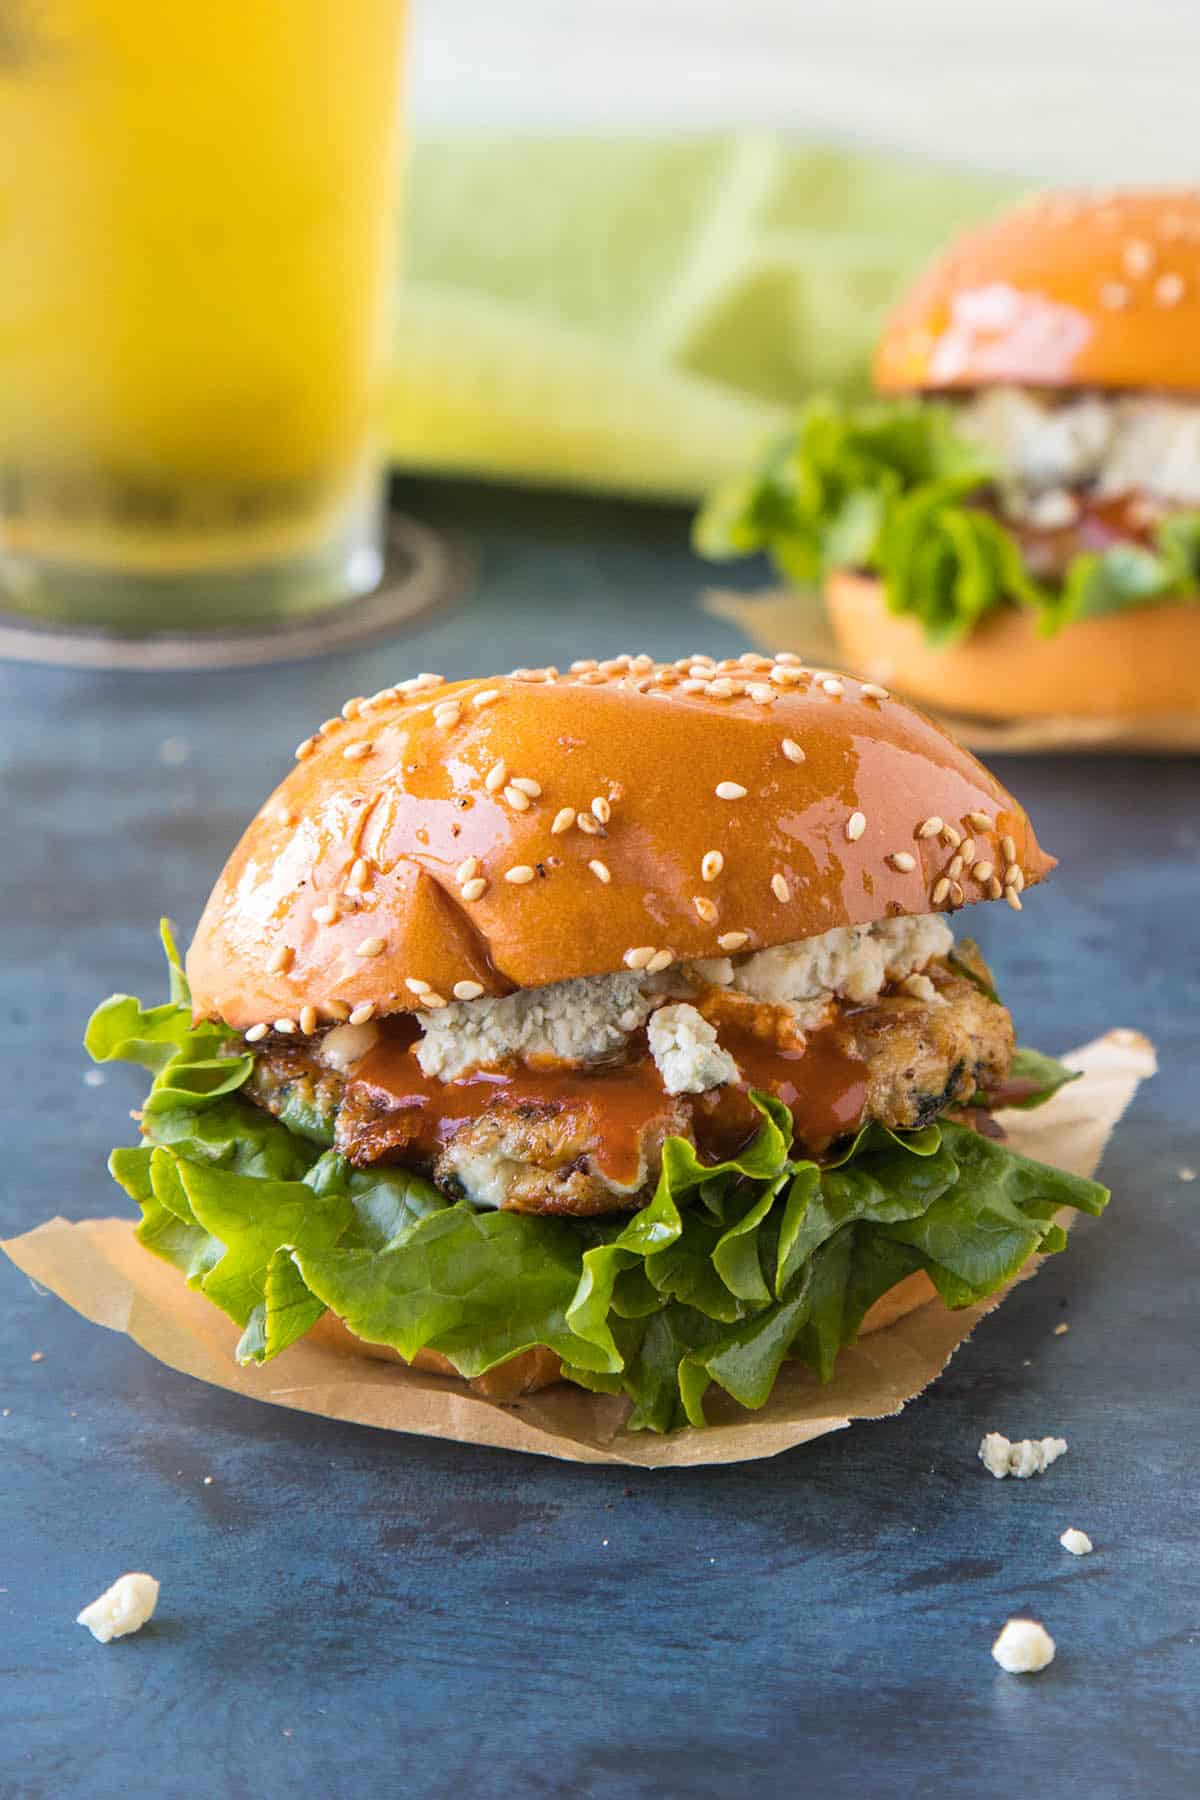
point(1072, 290)
point(452, 840)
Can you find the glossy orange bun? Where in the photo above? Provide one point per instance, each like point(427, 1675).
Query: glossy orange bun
point(1143, 663)
point(451, 840)
point(1071, 290)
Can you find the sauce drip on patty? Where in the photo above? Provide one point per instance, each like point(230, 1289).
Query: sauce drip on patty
point(823, 1085)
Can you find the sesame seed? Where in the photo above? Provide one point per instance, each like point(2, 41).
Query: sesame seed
point(919, 986)
point(280, 960)
point(701, 671)
point(591, 678)
point(639, 957)
point(350, 710)
point(1011, 874)
point(662, 959)
point(968, 849)
point(563, 821)
point(930, 828)
point(257, 1033)
point(356, 752)
point(467, 990)
point(856, 824)
point(786, 675)
point(467, 869)
point(360, 872)
point(994, 888)
point(730, 790)
point(720, 690)
point(285, 1026)
point(308, 1020)
point(590, 826)
point(601, 809)
point(616, 665)
point(733, 940)
point(474, 889)
point(600, 869)
point(372, 946)
point(496, 776)
point(415, 985)
point(955, 867)
point(584, 666)
point(692, 686)
point(1114, 295)
point(941, 888)
point(980, 820)
point(488, 697)
point(871, 690)
point(705, 909)
point(1013, 898)
point(1138, 257)
point(447, 716)
point(950, 835)
point(780, 888)
point(337, 1009)
point(1008, 849)
point(519, 874)
point(833, 686)
point(792, 750)
point(760, 693)
point(982, 871)
point(362, 1014)
point(1015, 877)
point(1169, 290)
point(711, 864)
point(328, 725)
point(426, 679)
point(527, 785)
point(957, 896)
point(305, 749)
point(433, 1001)
point(284, 815)
point(325, 915)
point(516, 799)
point(901, 859)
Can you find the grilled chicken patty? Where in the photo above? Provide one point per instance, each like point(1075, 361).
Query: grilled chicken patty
point(520, 1146)
point(923, 1057)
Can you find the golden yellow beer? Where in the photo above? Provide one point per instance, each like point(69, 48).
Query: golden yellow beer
point(196, 227)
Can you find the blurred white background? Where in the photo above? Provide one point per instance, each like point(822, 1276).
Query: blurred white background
point(1058, 89)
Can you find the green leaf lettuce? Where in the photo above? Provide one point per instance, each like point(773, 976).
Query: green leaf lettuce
point(889, 487)
point(727, 1272)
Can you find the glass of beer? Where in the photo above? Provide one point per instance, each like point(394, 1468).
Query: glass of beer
point(197, 210)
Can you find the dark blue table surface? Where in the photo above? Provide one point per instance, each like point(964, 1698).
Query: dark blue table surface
point(368, 1614)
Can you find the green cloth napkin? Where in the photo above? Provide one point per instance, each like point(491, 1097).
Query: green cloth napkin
point(634, 314)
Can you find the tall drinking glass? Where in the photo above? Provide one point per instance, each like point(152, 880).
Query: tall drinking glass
point(197, 201)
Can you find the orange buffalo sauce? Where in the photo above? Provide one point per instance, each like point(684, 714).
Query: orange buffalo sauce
point(614, 1104)
point(408, 1115)
point(823, 1087)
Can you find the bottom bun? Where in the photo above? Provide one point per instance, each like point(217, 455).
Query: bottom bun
point(540, 1368)
point(1141, 663)
point(522, 1374)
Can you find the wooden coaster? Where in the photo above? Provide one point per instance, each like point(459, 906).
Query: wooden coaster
point(422, 572)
